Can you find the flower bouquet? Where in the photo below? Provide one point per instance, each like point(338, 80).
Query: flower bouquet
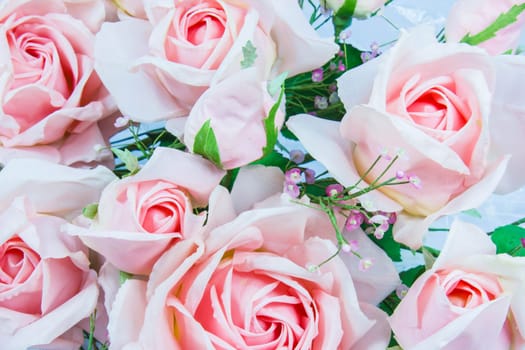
point(240, 174)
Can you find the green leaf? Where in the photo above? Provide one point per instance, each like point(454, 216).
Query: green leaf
point(508, 240)
point(90, 211)
point(272, 132)
point(206, 144)
point(503, 20)
point(124, 276)
point(387, 243)
point(409, 276)
point(249, 55)
point(129, 159)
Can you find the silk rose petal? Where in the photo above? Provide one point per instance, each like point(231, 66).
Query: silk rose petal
point(182, 48)
point(246, 285)
point(140, 216)
point(47, 60)
point(434, 109)
point(470, 298)
point(471, 17)
point(52, 188)
point(46, 285)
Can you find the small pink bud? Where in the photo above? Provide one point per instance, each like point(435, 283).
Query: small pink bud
point(365, 264)
point(297, 156)
point(309, 176)
point(334, 190)
point(293, 176)
point(292, 190)
point(317, 75)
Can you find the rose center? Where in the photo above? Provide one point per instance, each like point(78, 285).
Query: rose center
point(208, 28)
point(17, 261)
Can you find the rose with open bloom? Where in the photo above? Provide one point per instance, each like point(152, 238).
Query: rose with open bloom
point(51, 97)
point(450, 113)
point(473, 16)
point(247, 285)
point(46, 286)
point(156, 68)
point(471, 298)
point(142, 215)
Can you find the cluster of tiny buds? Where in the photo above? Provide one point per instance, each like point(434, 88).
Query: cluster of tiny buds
point(373, 53)
point(293, 177)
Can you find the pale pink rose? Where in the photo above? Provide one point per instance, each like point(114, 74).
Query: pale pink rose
point(363, 8)
point(157, 68)
point(247, 285)
point(473, 16)
point(448, 112)
point(236, 117)
point(46, 286)
point(471, 298)
point(141, 216)
point(51, 97)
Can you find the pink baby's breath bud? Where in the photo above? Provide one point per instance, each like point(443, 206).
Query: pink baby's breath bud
point(400, 174)
point(293, 176)
point(378, 219)
point(346, 248)
point(392, 218)
point(334, 190)
point(291, 189)
point(309, 176)
point(523, 242)
point(317, 75)
point(297, 156)
point(379, 233)
point(341, 67)
point(365, 264)
point(354, 220)
point(121, 122)
point(320, 102)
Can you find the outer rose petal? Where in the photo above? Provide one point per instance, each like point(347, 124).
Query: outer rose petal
point(254, 184)
point(52, 188)
point(471, 17)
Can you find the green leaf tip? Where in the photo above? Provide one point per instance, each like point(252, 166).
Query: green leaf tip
point(206, 144)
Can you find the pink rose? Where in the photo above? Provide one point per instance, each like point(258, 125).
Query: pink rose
point(235, 116)
point(247, 286)
point(51, 97)
point(470, 299)
point(46, 286)
point(473, 16)
point(448, 111)
point(141, 216)
point(183, 47)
